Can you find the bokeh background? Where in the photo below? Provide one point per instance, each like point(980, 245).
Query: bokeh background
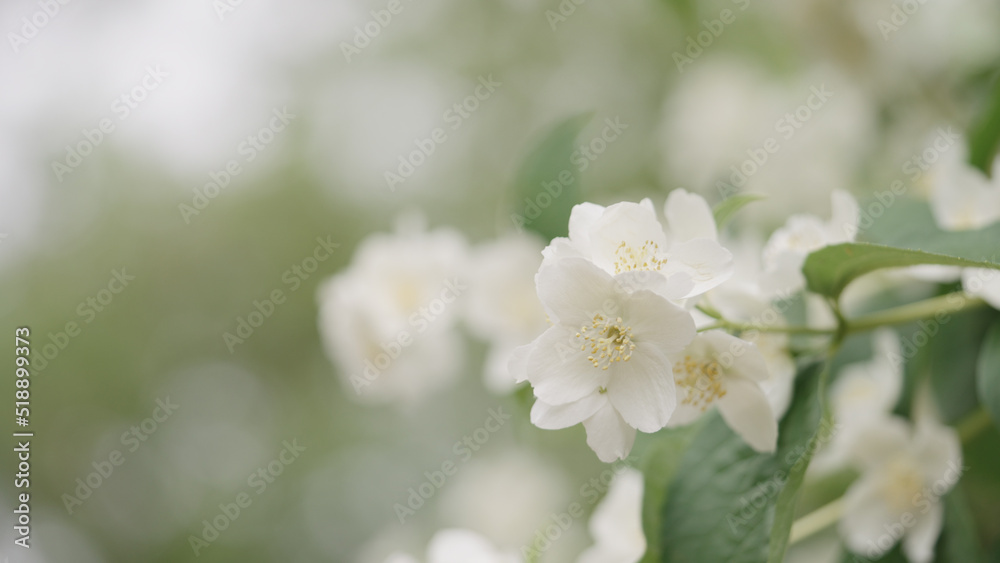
point(215, 72)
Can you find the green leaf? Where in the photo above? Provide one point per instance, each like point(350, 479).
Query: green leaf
point(830, 269)
point(895, 555)
point(660, 462)
point(958, 542)
point(730, 503)
point(908, 223)
point(953, 351)
point(728, 207)
point(988, 373)
point(984, 136)
point(547, 185)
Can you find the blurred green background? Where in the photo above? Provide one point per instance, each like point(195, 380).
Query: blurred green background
point(324, 176)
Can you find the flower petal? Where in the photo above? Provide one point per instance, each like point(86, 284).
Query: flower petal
point(843, 225)
point(748, 412)
point(737, 356)
point(559, 371)
point(461, 546)
point(684, 414)
point(517, 362)
point(642, 389)
point(877, 440)
point(658, 322)
point(634, 224)
point(557, 417)
point(983, 283)
point(707, 262)
point(608, 434)
point(921, 538)
point(581, 221)
point(689, 216)
point(574, 290)
point(938, 450)
point(866, 518)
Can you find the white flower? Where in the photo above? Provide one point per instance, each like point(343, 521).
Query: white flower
point(962, 197)
point(459, 546)
point(628, 241)
point(502, 306)
point(718, 369)
point(788, 247)
point(863, 394)
point(388, 321)
point(904, 474)
point(606, 360)
point(616, 524)
point(719, 118)
point(505, 496)
point(741, 299)
point(984, 283)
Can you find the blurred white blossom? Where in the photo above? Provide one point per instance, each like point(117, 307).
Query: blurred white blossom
point(616, 524)
point(962, 197)
point(459, 546)
point(388, 321)
point(905, 471)
point(502, 306)
point(788, 247)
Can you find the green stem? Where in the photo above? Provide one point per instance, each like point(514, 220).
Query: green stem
point(943, 305)
point(816, 520)
point(709, 310)
point(743, 327)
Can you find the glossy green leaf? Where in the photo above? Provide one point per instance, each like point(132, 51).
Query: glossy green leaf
point(548, 184)
point(988, 373)
point(958, 542)
point(730, 503)
point(830, 269)
point(908, 223)
point(660, 463)
point(984, 136)
point(728, 207)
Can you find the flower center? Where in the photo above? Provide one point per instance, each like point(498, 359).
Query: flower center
point(628, 258)
point(701, 379)
point(902, 485)
point(610, 341)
